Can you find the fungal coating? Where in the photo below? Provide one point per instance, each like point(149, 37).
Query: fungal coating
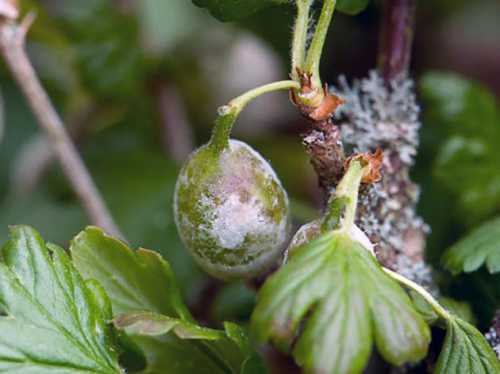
point(378, 116)
point(231, 211)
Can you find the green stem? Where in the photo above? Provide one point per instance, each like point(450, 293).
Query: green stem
point(316, 48)
point(240, 102)
point(442, 312)
point(300, 35)
point(229, 112)
point(347, 192)
point(333, 217)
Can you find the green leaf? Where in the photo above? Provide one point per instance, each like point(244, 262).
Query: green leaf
point(108, 54)
point(467, 166)
point(466, 122)
point(229, 10)
point(141, 197)
point(53, 321)
point(459, 105)
point(139, 281)
point(352, 7)
point(153, 324)
point(423, 307)
point(231, 347)
point(481, 246)
point(460, 309)
point(465, 350)
point(350, 303)
point(134, 280)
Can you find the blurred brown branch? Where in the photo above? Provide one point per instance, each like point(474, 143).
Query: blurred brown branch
point(177, 138)
point(396, 38)
point(12, 48)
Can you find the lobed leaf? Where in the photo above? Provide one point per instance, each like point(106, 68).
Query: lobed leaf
point(143, 290)
point(134, 280)
point(54, 321)
point(234, 338)
point(350, 303)
point(480, 247)
point(465, 350)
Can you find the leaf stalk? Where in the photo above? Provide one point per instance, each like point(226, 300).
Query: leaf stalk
point(316, 49)
point(299, 42)
point(440, 310)
point(346, 197)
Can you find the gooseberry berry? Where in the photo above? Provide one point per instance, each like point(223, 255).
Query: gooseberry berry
point(231, 210)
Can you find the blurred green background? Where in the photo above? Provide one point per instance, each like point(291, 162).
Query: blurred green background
point(138, 84)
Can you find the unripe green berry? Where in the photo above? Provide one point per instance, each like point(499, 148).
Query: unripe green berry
point(231, 211)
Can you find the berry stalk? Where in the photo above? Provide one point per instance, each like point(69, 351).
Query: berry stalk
point(230, 112)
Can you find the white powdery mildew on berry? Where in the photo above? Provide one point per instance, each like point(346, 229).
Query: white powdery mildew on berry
point(233, 221)
point(237, 145)
point(237, 215)
point(377, 116)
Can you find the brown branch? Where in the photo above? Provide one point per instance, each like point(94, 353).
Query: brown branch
point(37, 156)
point(396, 38)
point(177, 138)
point(12, 48)
point(324, 146)
point(322, 139)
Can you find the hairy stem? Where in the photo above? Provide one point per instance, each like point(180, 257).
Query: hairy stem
point(316, 49)
point(442, 312)
point(396, 38)
point(229, 112)
point(12, 48)
point(300, 31)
